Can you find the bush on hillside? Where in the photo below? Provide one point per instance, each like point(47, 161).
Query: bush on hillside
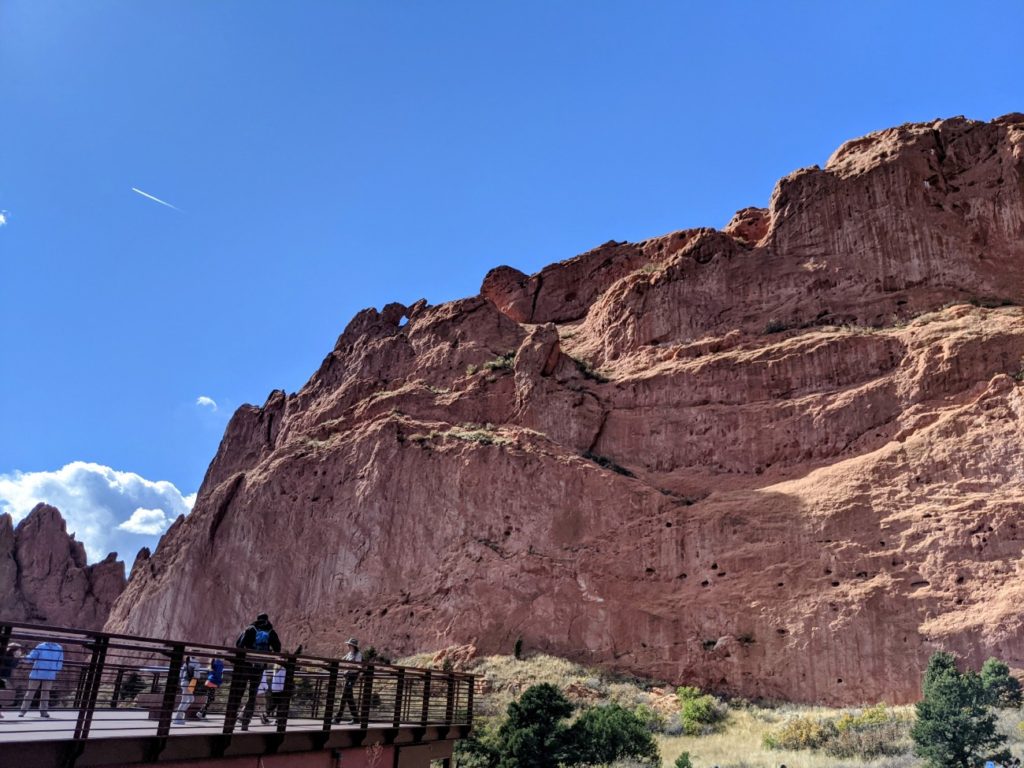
point(683, 761)
point(699, 713)
point(801, 733)
point(873, 732)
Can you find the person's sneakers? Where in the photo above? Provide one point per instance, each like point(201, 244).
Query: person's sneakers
point(21, 714)
point(264, 719)
point(44, 714)
point(245, 726)
point(201, 715)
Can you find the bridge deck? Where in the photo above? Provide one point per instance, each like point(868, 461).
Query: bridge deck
point(113, 701)
point(129, 723)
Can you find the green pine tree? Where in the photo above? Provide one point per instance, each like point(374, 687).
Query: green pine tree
point(955, 727)
point(1001, 688)
point(533, 735)
point(605, 734)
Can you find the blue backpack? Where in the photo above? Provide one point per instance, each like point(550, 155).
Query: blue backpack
point(262, 640)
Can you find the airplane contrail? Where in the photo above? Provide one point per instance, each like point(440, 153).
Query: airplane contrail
point(156, 199)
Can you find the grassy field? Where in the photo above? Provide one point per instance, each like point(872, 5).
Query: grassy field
point(737, 743)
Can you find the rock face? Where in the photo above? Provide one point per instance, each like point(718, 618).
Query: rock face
point(778, 460)
point(45, 577)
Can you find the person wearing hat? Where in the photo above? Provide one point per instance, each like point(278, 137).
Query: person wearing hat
point(347, 698)
point(8, 662)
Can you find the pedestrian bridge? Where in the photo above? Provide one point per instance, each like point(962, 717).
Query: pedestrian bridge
point(115, 700)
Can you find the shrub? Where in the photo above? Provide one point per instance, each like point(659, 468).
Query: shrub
point(699, 713)
point(870, 741)
point(603, 735)
point(517, 649)
point(801, 733)
point(585, 368)
point(654, 721)
point(873, 732)
point(501, 362)
point(479, 749)
point(1001, 688)
point(683, 761)
point(955, 727)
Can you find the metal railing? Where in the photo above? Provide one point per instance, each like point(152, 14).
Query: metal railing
point(119, 685)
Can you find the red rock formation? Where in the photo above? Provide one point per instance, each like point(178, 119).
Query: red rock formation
point(45, 576)
point(780, 460)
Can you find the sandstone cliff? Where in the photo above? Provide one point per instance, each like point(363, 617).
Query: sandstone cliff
point(44, 576)
point(781, 459)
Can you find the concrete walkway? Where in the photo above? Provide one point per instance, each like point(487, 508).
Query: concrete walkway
point(112, 723)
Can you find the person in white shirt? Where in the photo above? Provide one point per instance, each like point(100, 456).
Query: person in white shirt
point(272, 689)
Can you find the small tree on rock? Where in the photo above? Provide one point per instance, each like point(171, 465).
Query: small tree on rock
point(1001, 688)
point(955, 727)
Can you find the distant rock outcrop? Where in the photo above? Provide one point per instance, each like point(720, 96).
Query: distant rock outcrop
point(45, 577)
point(779, 460)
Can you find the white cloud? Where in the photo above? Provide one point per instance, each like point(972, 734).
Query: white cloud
point(206, 402)
point(96, 502)
point(148, 522)
point(3, 218)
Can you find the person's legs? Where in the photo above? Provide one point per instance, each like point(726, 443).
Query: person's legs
point(253, 684)
point(348, 700)
point(183, 705)
point(30, 692)
point(44, 697)
point(211, 694)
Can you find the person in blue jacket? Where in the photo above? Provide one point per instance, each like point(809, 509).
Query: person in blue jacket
point(47, 660)
point(214, 679)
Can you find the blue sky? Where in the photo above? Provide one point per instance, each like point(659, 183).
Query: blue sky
point(328, 156)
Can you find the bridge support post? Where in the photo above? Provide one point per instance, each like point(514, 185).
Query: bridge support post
point(239, 683)
point(425, 718)
point(289, 689)
point(399, 693)
point(91, 687)
point(163, 727)
point(366, 699)
point(332, 691)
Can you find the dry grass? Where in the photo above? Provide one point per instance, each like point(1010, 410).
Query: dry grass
point(740, 743)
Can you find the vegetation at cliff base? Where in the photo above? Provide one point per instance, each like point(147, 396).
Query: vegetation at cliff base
point(955, 727)
point(613, 719)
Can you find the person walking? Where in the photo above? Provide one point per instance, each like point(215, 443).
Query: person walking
point(188, 679)
point(47, 660)
point(272, 688)
point(214, 679)
point(258, 636)
point(351, 676)
point(8, 663)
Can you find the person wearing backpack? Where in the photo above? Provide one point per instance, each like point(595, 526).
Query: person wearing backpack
point(258, 636)
point(188, 679)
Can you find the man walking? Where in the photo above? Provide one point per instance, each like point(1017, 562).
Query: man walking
point(47, 660)
point(258, 636)
point(347, 697)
